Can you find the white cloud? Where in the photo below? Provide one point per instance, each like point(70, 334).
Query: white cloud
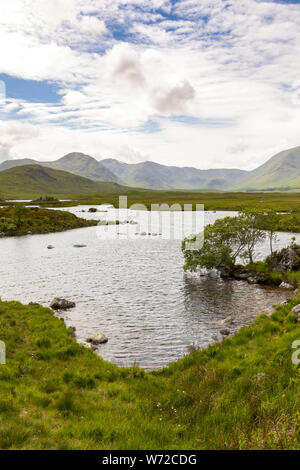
point(233, 66)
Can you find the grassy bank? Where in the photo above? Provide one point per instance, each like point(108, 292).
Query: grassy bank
point(282, 202)
point(19, 220)
point(242, 393)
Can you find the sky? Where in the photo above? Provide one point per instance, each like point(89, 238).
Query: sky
point(203, 83)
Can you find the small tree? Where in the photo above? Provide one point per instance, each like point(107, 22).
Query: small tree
point(19, 213)
point(224, 242)
point(270, 221)
point(252, 234)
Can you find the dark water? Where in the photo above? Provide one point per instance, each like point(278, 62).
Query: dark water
point(133, 290)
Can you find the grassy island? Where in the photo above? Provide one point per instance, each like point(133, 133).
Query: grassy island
point(242, 393)
point(20, 220)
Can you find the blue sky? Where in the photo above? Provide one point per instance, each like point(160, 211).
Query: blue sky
point(181, 82)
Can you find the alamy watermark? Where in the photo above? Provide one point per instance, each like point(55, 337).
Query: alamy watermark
point(2, 353)
point(169, 222)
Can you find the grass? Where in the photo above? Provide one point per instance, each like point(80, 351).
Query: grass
point(35, 220)
point(282, 202)
point(242, 393)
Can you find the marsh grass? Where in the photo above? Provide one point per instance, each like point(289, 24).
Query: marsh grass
point(242, 393)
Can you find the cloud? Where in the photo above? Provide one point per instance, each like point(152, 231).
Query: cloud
point(148, 74)
point(120, 64)
point(12, 134)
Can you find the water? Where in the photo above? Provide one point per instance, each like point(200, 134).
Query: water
point(133, 289)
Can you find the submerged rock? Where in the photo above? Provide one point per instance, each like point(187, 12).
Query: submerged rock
point(97, 339)
point(227, 320)
point(79, 246)
point(61, 304)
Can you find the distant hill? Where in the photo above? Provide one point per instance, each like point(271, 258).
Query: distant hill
point(76, 162)
point(282, 171)
point(31, 181)
point(152, 175)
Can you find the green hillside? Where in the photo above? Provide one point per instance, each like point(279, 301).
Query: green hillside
point(32, 181)
point(282, 171)
point(76, 162)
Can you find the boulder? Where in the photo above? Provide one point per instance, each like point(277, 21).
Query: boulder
point(288, 257)
point(61, 304)
point(97, 339)
point(252, 279)
point(296, 311)
point(286, 285)
point(79, 246)
point(72, 331)
point(88, 346)
point(50, 247)
point(225, 332)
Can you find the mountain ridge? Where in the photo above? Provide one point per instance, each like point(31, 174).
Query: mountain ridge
point(280, 172)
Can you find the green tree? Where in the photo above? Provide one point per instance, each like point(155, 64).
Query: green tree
point(270, 221)
point(19, 213)
point(224, 242)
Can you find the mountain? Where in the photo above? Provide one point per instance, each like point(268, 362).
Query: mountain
point(76, 163)
point(152, 175)
point(282, 171)
point(31, 181)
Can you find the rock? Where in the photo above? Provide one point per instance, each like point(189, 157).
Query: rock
point(241, 276)
point(50, 247)
point(79, 246)
point(252, 280)
point(225, 332)
point(33, 303)
point(296, 311)
point(143, 234)
point(2, 234)
point(72, 331)
point(286, 285)
point(61, 304)
point(287, 260)
point(29, 233)
point(97, 339)
point(284, 303)
point(88, 346)
point(227, 320)
point(259, 377)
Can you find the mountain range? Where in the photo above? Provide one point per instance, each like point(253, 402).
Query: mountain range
point(281, 172)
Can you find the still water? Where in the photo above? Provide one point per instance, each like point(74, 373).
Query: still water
point(132, 287)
